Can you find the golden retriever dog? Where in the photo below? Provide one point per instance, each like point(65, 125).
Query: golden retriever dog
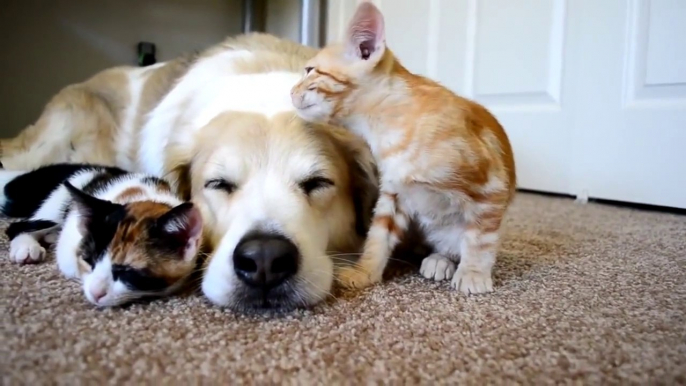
point(281, 198)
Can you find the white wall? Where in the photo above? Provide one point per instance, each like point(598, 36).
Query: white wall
point(283, 18)
point(49, 44)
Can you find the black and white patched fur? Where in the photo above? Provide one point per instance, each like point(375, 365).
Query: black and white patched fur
point(123, 235)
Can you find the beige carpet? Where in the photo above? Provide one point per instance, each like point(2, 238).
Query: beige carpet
point(585, 294)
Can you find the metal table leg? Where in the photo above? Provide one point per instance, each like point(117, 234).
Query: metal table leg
point(310, 22)
point(254, 19)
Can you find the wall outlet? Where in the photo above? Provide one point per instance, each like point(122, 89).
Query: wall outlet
point(146, 54)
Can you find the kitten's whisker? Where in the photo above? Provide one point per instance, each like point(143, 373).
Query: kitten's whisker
point(353, 261)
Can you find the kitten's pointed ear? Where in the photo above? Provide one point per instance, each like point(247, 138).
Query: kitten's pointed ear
point(366, 38)
point(183, 225)
point(89, 207)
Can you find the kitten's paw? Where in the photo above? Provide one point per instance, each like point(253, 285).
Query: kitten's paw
point(437, 267)
point(470, 281)
point(24, 249)
point(356, 277)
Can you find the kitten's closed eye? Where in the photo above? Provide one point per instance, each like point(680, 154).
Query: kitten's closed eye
point(137, 279)
point(308, 70)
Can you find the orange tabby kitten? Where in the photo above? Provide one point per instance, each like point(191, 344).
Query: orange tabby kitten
point(444, 161)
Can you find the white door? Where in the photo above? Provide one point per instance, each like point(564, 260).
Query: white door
point(592, 93)
point(630, 121)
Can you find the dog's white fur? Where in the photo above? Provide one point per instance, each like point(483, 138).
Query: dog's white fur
point(227, 116)
point(203, 93)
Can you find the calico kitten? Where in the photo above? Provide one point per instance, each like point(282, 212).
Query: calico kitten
point(123, 235)
point(444, 161)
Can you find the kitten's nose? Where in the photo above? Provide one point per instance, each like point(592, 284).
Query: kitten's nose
point(295, 100)
point(98, 293)
point(265, 260)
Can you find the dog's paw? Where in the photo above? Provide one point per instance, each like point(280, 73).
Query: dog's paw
point(356, 277)
point(470, 281)
point(24, 249)
point(437, 267)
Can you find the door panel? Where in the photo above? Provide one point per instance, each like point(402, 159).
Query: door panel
point(517, 51)
point(661, 26)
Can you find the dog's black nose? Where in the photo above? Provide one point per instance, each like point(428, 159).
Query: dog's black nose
point(265, 260)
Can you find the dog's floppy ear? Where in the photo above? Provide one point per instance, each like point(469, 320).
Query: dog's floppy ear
point(365, 189)
point(364, 176)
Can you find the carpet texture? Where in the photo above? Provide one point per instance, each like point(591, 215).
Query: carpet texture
point(586, 294)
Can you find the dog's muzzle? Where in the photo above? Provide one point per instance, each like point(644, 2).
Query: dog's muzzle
point(265, 261)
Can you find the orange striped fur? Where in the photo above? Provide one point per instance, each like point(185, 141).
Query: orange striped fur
point(445, 161)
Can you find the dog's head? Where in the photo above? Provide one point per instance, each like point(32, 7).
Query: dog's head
point(280, 198)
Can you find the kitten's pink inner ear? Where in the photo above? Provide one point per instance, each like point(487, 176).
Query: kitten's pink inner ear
point(194, 223)
point(194, 227)
point(184, 223)
point(366, 32)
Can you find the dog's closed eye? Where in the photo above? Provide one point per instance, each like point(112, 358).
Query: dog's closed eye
point(220, 184)
point(311, 184)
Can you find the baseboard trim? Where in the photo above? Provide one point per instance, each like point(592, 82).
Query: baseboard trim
point(614, 203)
